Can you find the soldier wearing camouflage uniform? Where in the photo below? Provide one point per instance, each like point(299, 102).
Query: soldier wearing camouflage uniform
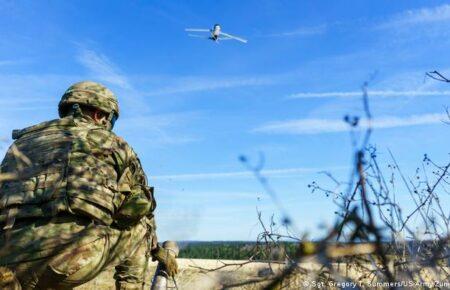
point(74, 199)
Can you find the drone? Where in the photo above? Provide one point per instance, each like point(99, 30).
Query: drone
point(216, 34)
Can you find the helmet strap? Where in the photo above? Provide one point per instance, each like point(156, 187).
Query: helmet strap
point(76, 110)
point(110, 116)
point(111, 120)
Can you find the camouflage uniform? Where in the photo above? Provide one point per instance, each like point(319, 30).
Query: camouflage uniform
point(75, 199)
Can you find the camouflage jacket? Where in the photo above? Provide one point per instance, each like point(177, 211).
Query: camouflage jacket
point(71, 165)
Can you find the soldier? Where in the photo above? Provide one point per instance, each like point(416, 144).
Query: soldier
point(74, 199)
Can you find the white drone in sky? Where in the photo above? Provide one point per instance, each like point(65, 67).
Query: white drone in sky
point(216, 34)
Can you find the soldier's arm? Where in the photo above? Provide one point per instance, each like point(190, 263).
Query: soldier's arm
point(142, 184)
point(135, 196)
point(137, 205)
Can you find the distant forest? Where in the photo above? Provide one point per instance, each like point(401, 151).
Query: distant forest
point(234, 250)
point(238, 250)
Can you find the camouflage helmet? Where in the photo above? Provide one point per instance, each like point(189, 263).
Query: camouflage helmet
point(90, 94)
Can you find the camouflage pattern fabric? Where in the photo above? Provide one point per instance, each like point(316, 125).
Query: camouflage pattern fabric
point(78, 201)
point(64, 252)
point(8, 280)
point(90, 94)
point(73, 166)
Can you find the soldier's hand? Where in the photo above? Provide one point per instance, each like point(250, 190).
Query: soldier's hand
point(167, 258)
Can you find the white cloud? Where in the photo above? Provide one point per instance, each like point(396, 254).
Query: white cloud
point(37, 94)
point(101, 68)
point(374, 93)
point(203, 195)
point(272, 173)
point(198, 84)
point(160, 129)
point(8, 62)
point(179, 84)
point(430, 15)
point(319, 126)
point(301, 31)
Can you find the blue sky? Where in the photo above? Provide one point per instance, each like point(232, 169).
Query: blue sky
point(190, 107)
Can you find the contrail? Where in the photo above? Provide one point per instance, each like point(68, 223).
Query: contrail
point(379, 93)
point(320, 126)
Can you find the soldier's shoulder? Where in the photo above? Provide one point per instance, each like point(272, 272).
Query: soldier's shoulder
point(17, 133)
point(123, 145)
point(120, 141)
point(125, 152)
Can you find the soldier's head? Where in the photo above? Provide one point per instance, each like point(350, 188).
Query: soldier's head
point(92, 99)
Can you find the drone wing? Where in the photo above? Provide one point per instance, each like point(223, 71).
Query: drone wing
point(229, 36)
point(197, 30)
point(198, 36)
